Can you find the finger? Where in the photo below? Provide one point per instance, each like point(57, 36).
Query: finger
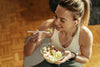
point(35, 36)
point(34, 39)
point(67, 53)
point(34, 33)
point(61, 61)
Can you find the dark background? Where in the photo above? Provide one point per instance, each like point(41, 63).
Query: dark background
point(95, 12)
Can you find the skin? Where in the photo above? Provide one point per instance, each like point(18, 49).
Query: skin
point(63, 22)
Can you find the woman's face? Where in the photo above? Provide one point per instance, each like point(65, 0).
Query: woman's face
point(63, 19)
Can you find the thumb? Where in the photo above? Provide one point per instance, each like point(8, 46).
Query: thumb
point(67, 52)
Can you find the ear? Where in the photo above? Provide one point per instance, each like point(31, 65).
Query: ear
point(77, 21)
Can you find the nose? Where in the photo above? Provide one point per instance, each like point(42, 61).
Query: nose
point(57, 22)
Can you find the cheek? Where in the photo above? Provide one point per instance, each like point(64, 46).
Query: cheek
point(66, 26)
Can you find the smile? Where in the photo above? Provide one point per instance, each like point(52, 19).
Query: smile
point(59, 26)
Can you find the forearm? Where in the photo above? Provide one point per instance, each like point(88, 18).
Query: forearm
point(81, 59)
point(29, 48)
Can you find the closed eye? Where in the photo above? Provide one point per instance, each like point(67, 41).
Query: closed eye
point(62, 20)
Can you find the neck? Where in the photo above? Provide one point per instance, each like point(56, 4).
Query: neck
point(74, 30)
point(65, 38)
point(66, 34)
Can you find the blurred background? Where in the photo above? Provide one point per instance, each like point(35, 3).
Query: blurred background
point(19, 16)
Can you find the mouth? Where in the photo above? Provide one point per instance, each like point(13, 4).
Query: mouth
point(59, 27)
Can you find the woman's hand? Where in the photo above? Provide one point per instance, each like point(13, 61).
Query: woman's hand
point(68, 55)
point(34, 37)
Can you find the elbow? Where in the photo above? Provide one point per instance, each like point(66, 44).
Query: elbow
point(86, 60)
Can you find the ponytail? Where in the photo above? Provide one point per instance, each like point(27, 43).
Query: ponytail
point(86, 14)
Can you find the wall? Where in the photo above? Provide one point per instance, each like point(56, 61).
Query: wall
point(95, 12)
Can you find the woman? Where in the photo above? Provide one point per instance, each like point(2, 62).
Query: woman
point(69, 33)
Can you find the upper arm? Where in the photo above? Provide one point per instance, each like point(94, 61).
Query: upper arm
point(86, 39)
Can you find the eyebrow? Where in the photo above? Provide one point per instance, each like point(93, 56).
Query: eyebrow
point(60, 17)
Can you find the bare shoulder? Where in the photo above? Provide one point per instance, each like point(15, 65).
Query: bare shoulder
point(86, 37)
point(46, 24)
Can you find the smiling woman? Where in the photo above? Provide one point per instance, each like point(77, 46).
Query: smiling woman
point(69, 33)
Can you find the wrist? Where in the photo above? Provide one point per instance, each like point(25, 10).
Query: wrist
point(73, 56)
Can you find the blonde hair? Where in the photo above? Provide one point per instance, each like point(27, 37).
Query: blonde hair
point(81, 9)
